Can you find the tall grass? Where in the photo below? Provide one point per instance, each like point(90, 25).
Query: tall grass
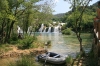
point(4, 48)
point(24, 61)
point(69, 61)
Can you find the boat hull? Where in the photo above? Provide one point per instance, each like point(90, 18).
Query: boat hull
point(52, 58)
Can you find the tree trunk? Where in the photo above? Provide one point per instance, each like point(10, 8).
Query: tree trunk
point(10, 29)
point(7, 30)
point(2, 37)
point(2, 30)
point(81, 48)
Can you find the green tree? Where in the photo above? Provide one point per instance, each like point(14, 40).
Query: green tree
point(78, 8)
point(11, 11)
point(23, 13)
point(46, 10)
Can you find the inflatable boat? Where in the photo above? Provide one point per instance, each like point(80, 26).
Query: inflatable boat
point(52, 57)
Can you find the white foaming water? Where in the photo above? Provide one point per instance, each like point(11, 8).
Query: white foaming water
point(49, 30)
point(41, 28)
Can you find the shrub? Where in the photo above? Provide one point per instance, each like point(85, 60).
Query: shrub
point(13, 39)
point(64, 27)
point(37, 44)
point(49, 43)
point(67, 31)
point(27, 42)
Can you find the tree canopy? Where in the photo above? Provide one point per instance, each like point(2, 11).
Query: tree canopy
point(87, 18)
point(23, 13)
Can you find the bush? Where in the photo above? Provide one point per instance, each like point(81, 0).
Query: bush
point(48, 43)
point(67, 31)
point(37, 44)
point(13, 39)
point(64, 27)
point(27, 42)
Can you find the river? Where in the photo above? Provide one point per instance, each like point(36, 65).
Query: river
point(64, 44)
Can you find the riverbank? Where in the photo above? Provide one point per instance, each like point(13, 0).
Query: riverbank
point(15, 52)
point(68, 45)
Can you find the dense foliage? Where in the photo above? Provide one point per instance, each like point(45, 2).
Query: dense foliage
point(27, 42)
point(87, 18)
point(22, 13)
point(67, 31)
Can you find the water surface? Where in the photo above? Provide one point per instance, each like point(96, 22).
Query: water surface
point(63, 44)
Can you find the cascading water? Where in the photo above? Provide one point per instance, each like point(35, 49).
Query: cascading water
point(19, 30)
point(56, 29)
point(29, 29)
point(49, 29)
point(44, 30)
point(41, 28)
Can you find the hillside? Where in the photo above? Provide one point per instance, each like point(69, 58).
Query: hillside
point(58, 17)
point(62, 16)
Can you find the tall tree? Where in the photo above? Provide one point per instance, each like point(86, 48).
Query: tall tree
point(11, 12)
point(24, 13)
point(76, 5)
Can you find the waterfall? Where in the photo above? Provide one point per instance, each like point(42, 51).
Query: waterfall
point(49, 29)
point(44, 30)
point(56, 29)
point(29, 29)
point(41, 28)
point(19, 30)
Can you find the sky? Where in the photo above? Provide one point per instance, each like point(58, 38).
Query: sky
point(63, 6)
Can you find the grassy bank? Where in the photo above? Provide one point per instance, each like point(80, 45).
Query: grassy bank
point(24, 61)
point(27, 42)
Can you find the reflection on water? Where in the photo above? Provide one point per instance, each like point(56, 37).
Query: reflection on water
point(59, 44)
point(63, 44)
